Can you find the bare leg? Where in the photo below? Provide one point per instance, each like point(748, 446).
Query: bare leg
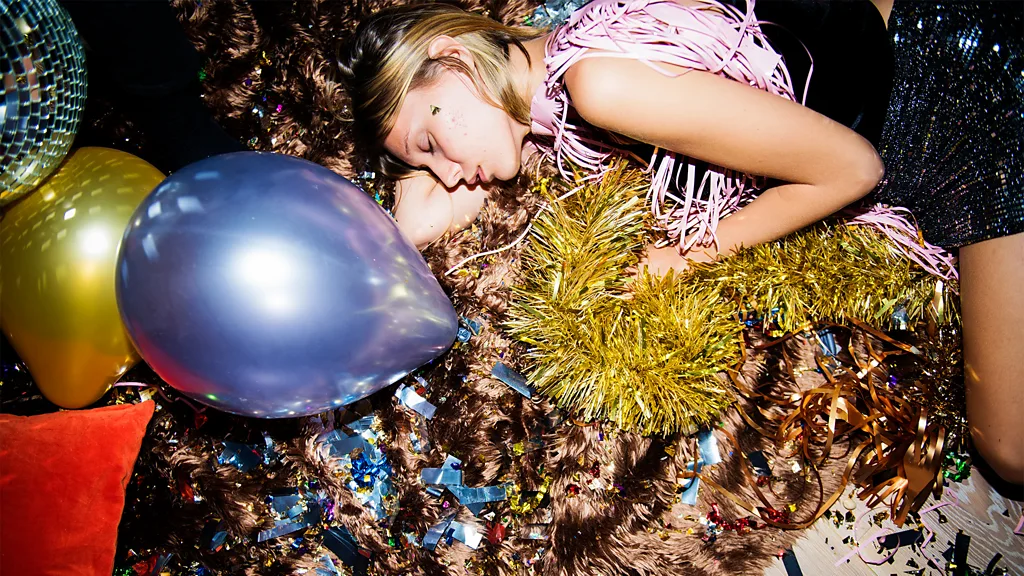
point(992, 295)
point(884, 8)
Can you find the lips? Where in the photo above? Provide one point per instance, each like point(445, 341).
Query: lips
point(480, 177)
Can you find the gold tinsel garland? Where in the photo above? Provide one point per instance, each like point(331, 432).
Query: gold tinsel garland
point(646, 354)
point(828, 273)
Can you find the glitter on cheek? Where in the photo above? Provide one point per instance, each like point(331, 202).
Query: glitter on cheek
point(458, 120)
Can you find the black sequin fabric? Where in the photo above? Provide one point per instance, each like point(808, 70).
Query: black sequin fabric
point(952, 140)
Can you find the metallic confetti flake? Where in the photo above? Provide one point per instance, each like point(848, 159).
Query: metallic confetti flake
point(513, 379)
point(410, 399)
point(708, 447)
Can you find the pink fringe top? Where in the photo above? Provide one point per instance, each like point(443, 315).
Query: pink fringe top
point(718, 39)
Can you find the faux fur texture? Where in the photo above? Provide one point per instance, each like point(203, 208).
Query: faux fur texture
point(612, 505)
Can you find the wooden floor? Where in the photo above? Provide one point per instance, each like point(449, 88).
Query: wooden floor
point(981, 513)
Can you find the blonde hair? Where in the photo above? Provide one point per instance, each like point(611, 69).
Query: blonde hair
point(389, 57)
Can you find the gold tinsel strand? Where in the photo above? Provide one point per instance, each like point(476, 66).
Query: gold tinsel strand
point(646, 354)
point(829, 272)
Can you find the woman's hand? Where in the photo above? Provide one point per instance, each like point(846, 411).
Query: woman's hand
point(425, 210)
point(658, 261)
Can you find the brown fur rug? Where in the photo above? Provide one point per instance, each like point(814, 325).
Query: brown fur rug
point(610, 507)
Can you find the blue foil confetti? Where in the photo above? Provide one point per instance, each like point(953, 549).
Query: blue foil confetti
point(285, 527)
point(467, 534)
point(473, 325)
point(475, 499)
point(790, 563)
point(436, 532)
point(246, 457)
point(441, 476)
point(286, 504)
point(690, 489)
point(467, 329)
point(900, 318)
point(339, 445)
point(242, 456)
point(513, 379)
point(214, 534)
point(450, 463)
point(708, 455)
point(292, 512)
point(447, 530)
point(417, 444)
point(343, 544)
point(412, 400)
point(281, 528)
point(759, 463)
point(269, 453)
point(449, 476)
point(327, 567)
point(707, 444)
point(369, 473)
point(554, 13)
point(366, 472)
point(828, 344)
point(468, 496)
point(162, 561)
point(218, 540)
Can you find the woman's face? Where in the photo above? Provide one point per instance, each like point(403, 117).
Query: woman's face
point(447, 128)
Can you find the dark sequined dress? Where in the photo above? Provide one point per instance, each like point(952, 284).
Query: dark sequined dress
point(952, 139)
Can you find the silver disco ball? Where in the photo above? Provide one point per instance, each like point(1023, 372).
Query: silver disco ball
point(43, 71)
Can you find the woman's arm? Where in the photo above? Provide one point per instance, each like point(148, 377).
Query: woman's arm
point(826, 165)
point(425, 209)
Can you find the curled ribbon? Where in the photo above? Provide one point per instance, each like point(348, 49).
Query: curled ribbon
point(894, 454)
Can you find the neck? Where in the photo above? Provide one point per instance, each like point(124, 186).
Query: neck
point(530, 76)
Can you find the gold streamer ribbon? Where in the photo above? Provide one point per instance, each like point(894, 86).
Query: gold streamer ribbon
point(899, 460)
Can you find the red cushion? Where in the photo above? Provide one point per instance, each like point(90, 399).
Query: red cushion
point(62, 482)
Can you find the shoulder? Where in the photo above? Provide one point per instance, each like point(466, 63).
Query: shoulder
point(598, 85)
point(604, 89)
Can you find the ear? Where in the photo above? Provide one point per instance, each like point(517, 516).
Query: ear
point(448, 47)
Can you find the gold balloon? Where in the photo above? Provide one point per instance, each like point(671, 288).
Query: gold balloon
point(58, 254)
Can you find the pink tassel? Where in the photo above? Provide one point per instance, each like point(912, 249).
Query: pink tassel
point(895, 224)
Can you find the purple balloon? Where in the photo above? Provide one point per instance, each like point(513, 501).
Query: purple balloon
point(268, 286)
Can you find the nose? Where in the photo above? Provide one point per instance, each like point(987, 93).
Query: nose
point(449, 173)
